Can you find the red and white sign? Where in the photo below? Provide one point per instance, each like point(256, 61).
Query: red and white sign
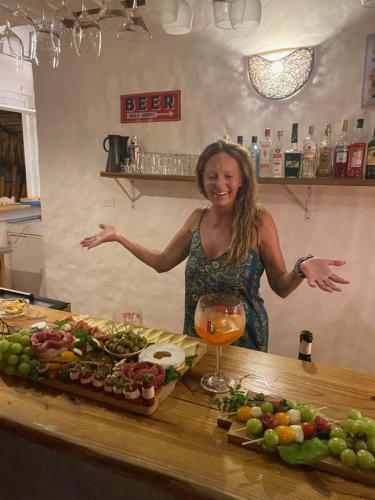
point(151, 107)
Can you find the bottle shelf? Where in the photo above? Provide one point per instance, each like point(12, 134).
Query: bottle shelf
point(329, 181)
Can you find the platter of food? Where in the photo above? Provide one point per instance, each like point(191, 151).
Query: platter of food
point(101, 360)
point(300, 434)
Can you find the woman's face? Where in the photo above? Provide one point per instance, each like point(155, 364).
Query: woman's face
point(222, 179)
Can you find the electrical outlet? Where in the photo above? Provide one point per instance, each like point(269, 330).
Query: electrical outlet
point(108, 202)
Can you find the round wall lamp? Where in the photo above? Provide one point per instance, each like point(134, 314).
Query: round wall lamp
point(280, 74)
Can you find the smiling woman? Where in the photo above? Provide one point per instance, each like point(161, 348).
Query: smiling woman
point(229, 245)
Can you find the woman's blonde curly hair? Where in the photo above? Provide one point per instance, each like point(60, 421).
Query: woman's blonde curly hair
point(246, 211)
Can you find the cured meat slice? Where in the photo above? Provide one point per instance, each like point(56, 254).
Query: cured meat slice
point(135, 371)
point(50, 339)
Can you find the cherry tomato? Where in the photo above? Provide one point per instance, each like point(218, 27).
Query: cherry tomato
point(309, 429)
point(244, 413)
point(286, 434)
point(283, 418)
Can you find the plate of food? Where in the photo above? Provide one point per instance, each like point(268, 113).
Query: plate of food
point(125, 344)
point(14, 308)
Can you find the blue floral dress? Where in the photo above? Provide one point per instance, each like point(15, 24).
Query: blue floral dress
point(204, 275)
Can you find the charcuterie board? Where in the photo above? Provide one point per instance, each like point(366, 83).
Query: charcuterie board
point(193, 348)
point(237, 435)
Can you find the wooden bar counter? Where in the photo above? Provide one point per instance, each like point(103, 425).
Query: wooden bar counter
point(179, 452)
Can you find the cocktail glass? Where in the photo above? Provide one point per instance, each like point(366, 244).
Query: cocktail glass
point(219, 320)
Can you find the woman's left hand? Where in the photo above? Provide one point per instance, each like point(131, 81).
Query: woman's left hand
point(318, 273)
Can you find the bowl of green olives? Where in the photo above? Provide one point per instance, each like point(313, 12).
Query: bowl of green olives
point(125, 344)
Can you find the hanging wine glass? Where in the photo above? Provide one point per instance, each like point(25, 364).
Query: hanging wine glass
point(66, 18)
point(87, 35)
point(47, 41)
point(11, 45)
point(112, 15)
point(134, 28)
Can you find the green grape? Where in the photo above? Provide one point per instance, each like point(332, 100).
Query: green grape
point(337, 445)
point(254, 427)
point(271, 439)
point(348, 458)
point(25, 358)
point(292, 405)
point(360, 444)
point(267, 407)
point(25, 340)
point(16, 348)
point(1, 356)
point(369, 427)
point(365, 459)
point(4, 345)
point(354, 414)
point(24, 368)
point(307, 413)
point(10, 370)
point(13, 359)
point(15, 337)
point(337, 432)
point(24, 331)
point(28, 350)
point(371, 444)
point(352, 426)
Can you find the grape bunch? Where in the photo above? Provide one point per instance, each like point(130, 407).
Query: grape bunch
point(16, 354)
point(353, 441)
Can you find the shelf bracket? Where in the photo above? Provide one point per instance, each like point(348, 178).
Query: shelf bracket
point(132, 196)
point(306, 206)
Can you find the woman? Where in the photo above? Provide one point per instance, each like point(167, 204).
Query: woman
point(229, 245)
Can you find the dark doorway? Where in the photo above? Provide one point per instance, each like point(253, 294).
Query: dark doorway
point(12, 157)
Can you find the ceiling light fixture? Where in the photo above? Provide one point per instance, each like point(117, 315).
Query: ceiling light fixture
point(280, 74)
point(162, 11)
point(182, 25)
point(239, 15)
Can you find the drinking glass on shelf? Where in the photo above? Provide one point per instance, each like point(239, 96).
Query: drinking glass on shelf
point(219, 320)
point(66, 19)
point(47, 41)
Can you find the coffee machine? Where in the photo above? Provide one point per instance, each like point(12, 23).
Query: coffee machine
point(117, 151)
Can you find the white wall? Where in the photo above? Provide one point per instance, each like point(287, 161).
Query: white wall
point(78, 105)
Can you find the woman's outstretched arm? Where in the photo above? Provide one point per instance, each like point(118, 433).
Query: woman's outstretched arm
point(175, 252)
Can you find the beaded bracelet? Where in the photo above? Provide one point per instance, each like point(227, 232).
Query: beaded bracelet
point(297, 267)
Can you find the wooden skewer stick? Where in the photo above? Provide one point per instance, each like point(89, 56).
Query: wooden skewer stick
point(252, 441)
point(321, 408)
point(336, 421)
point(239, 429)
point(228, 414)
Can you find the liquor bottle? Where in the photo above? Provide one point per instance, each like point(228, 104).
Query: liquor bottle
point(265, 154)
point(305, 341)
point(277, 159)
point(310, 153)
point(357, 152)
point(254, 151)
point(370, 167)
point(240, 140)
point(134, 152)
point(325, 164)
point(341, 152)
point(293, 156)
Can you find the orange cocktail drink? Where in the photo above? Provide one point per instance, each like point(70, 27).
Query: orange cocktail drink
point(223, 329)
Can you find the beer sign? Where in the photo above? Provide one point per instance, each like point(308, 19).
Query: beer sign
point(151, 107)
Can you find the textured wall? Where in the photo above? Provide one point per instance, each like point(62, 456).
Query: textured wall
point(78, 105)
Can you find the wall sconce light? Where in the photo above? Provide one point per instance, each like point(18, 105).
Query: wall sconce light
point(239, 15)
point(280, 74)
point(182, 25)
point(368, 3)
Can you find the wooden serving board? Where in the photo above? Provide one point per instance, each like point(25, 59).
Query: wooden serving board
point(329, 464)
point(192, 347)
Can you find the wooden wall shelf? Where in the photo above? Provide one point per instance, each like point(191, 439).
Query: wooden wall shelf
point(290, 181)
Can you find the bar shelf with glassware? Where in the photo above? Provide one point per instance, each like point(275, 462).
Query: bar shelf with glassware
point(320, 181)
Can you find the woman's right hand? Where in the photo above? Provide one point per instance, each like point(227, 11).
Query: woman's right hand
point(108, 233)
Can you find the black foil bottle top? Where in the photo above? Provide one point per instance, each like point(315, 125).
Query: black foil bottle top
point(306, 335)
point(360, 123)
point(254, 138)
point(294, 133)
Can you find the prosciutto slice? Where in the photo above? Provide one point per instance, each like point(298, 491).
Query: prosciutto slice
point(50, 339)
point(135, 371)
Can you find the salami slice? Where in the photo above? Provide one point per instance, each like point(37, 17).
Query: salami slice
point(135, 371)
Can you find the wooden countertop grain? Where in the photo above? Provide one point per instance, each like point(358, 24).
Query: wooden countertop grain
point(180, 446)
